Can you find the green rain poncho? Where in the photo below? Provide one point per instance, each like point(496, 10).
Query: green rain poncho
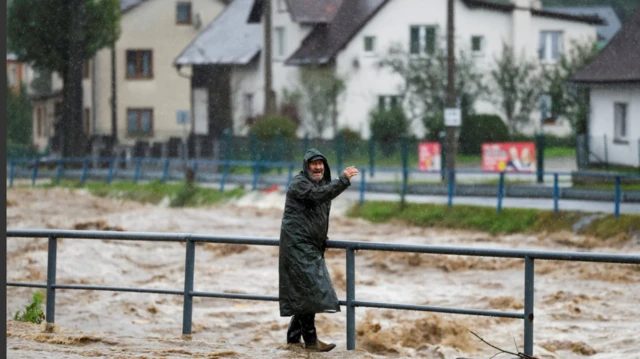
point(305, 285)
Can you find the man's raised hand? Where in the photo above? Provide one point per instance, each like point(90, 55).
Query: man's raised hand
point(350, 172)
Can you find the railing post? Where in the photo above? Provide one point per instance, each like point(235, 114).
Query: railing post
point(372, 156)
point(59, 172)
point(12, 172)
point(187, 312)
point(35, 172)
point(606, 152)
point(256, 171)
point(51, 280)
point(500, 192)
point(225, 169)
point(362, 185)
point(136, 173)
point(195, 170)
point(165, 170)
point(528, 304)
point(85, 166)
point(452, 179)
point(556, 193)
point(112, 164)
point(351, 296)
point(617, 197)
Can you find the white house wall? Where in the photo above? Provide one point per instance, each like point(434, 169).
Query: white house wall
point(391, 25)
point(245, 80)
point(601, 124)
point(149, 26)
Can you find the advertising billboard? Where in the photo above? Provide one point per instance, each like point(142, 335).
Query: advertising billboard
point(429, 156)
point(509, 157)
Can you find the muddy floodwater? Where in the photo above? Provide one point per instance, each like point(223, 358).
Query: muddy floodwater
point(582, 310)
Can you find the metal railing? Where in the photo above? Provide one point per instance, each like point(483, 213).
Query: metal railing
point(351, 303)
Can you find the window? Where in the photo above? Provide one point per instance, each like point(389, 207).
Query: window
point(248, 105)
point(477, 44)
point(39, 122)
point(183, 13)
point(139, 122)
point(386, 103)
point(86, 121)
point(550, 46)
point(422, 39)
point(369, 44)
point(620, 121)
point(280, 41)
point(139, 64)
point(282, 6)
point(546, 107)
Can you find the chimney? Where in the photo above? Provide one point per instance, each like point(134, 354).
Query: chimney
point(536, 4)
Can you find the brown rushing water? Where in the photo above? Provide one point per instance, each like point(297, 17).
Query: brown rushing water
point(582, 309)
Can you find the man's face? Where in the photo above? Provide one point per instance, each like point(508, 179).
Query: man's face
point(316, 170)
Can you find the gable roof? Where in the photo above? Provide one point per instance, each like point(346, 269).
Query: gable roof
point(228, 40)
point(326, 40)
point(313, 11)
point(611, 21)
point(126, 5)
point(618, 61)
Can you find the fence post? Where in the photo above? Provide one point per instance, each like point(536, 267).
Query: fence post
point(305, 143)
point(12, 171)
point(256, 171)
point(225, 169)
point(85, 166)
point(443, 155)
point(500, 191)
point(51, 280)
point(351, 297)
point(195, 170)
point(556, 193)
point(279, 150)
point(452, 179)
point(35, 172)
point(112, 164)
point(165, 171)
point(188, 286)
point(136, 173)
point(405, 169)
point(528, 304)
point(372, 155)
point(639, 155)
point(59, 172)
point(606, 153)
point(363, 184)
point(617, 197)
point(540, 157)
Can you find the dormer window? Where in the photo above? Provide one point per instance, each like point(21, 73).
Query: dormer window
point(183, 13)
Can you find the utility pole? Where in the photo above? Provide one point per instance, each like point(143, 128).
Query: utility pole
point(269, 95)
point(452, 113)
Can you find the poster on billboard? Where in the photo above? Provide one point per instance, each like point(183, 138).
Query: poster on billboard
point(509, 157)
point(429, 156)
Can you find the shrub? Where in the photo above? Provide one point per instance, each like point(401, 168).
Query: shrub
point(349, 136)
point(387, 127)
point(33, 312)
point(267, 128)
point(481, 128)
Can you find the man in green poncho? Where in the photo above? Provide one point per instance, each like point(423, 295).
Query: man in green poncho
point(305, 285)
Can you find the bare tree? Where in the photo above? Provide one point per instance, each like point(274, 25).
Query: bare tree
point(516, 87)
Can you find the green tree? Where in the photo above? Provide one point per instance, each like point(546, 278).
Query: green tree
point(19, 123)
point(319, 92)
point(424, 89)
point(59, 35)
point(516, 87)
point(570, 101)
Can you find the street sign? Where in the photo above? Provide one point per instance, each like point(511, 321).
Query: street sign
point(182, 117)
point(452, 117)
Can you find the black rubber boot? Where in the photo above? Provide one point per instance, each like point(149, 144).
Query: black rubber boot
point(308, 326)
point(294, 333)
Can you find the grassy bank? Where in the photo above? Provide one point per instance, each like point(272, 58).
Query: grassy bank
point(485, 219)
point(178, 194)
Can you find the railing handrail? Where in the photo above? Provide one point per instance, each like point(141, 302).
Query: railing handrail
point(356, 245)
point(351, 246)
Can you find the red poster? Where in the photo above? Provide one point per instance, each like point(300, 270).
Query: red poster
point(509, 157)
point(429, 156)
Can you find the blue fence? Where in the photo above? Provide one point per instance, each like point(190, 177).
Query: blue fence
point(281, 173)
point(350, 248)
